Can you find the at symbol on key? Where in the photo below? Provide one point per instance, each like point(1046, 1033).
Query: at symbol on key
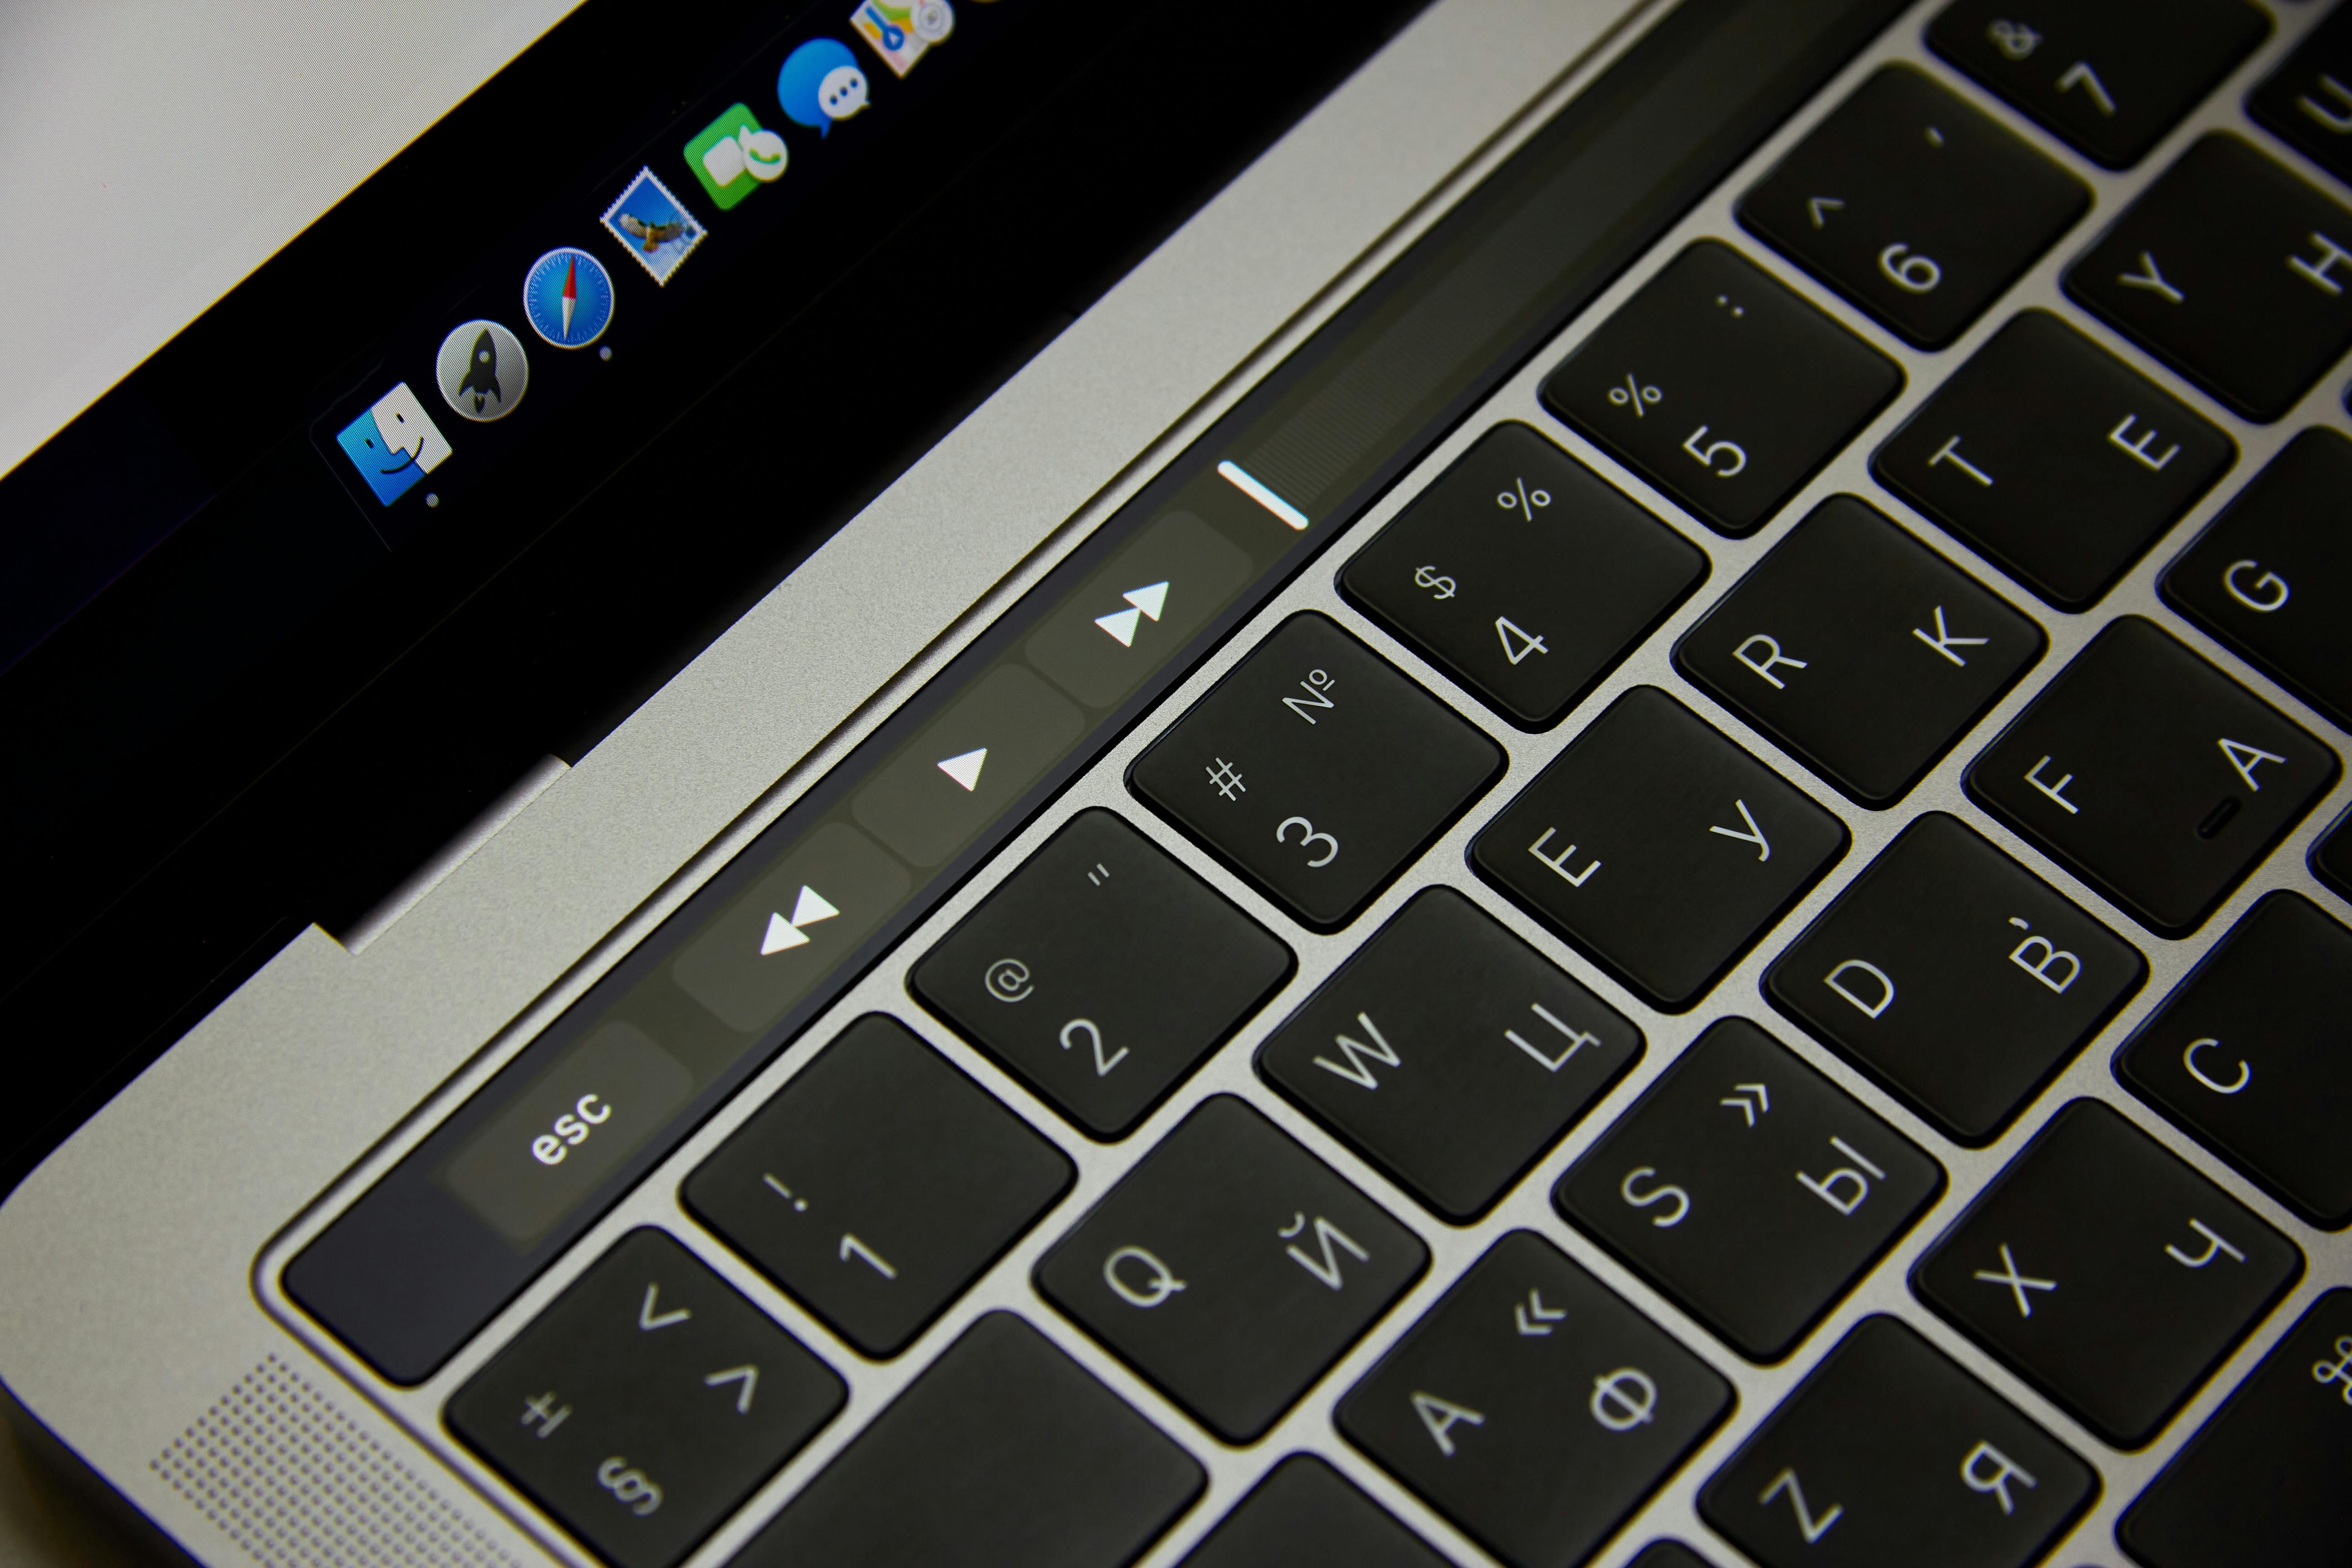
point(2019, 1283)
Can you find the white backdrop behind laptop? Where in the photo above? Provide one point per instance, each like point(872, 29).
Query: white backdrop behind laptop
point(153, 153)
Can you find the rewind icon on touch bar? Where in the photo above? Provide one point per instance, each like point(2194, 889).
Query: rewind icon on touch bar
point(807, 910)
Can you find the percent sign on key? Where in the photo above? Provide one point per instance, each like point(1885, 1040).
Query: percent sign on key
point(1521, 500)
point(1633, 395)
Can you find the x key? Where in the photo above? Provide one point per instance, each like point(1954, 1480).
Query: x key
point(2018, 1282)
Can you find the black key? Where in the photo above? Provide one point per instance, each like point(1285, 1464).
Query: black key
point(2152, 776)
point(2331, 857)
point(1533, 1407)
point(1721, 387)
point(1523, 575)
point(2053, 458)
point(2307, 102)
point(877, 1186)
point(1859, 649)
point(645, 1404)
point(1658, 848)
point(2233, 271)
point(1307, 1512)
point(2107, 1273)
point(1231, 1267)
point(1449, 1054)
point(1004, 1454)
point(2263, 1481)
point(2248, 1055)
point(1668, 1554)
point(1101, 973)
point(1913, 205)
point(2273, 577)
point(1749, 1188)
point(1956, 978)
point(1890, 1454)
point(1317, 770)
point(2111, 77)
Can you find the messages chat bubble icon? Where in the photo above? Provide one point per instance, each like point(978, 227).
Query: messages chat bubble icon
point(820, 83)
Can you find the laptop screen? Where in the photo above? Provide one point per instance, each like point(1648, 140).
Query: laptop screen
point(467, 470)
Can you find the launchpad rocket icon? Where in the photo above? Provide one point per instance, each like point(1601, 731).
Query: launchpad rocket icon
point(482, 371)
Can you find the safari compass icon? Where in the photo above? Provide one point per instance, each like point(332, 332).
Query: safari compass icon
point(567, 297)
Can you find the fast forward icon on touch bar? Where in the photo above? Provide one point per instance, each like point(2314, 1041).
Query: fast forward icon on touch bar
point(1144, 603)
point(807, 910)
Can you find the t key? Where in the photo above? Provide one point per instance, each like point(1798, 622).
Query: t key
point(1721, 387)
point(1533, 1407)
point(1450, 1053)
point(1915, 205)
point(2152, 776)
point(1101, 973)
point(645, 1404)
point(2107, 1272)
point(1231, 1267)
point(1749, 1188)
point(1316, 770)
point(1890, 1454)
point(1658, 848)
point(2054, 458)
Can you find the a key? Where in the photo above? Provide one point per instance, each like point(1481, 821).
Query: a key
point(1317, 770)
point(1956, 978)
point(1449, 1054)
point(2307, 102)
point(2107, 1273)
point(1532, 1407)
point(2152, 776)
point(2331, 858)
point(2110, 77)
point(1749, 1189)
point(1721, 387)
point(1101, 973)
point(645, 1404)
point(1307, 1512)
point(1913, 205)
point(1859, 649)
point(1888, 1453)
point(877, 1186)
point(1658, 848)
point(1231, 1267)
point(1004, 1454)
point(2263, 1482)
point(2053, 458)
point(2273, 577)
point(2232, 270)
point(2248, 1055)
point(1523, 575)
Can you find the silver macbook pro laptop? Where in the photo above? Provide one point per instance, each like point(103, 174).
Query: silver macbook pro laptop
point(1005, 783)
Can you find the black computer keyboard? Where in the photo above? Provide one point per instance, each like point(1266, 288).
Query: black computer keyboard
point(1729, 976)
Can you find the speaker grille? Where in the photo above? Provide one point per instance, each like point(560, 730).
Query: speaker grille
point(292, 1480)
